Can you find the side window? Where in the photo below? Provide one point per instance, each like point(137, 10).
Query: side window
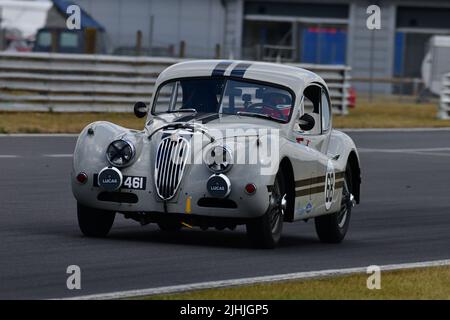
point(164, 98)
point(326, 112)
point(170, 97)
point(311, 105)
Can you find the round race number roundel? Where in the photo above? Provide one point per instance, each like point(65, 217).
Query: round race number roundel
point(330, 180)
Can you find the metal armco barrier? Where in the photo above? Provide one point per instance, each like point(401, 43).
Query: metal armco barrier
point(94, 83)
point(444, 104)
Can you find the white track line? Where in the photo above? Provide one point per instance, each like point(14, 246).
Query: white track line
point(8, 156)
point(404, 150)
point(56, 155)
point(393, 129)
point(253, 280)
point(66, 155)
point(38, 135)
point(437, 152)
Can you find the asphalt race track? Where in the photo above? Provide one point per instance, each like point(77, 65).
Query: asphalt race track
point(404, 217)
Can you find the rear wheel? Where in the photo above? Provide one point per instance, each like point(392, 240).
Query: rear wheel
point(94, 222)
point(265, 231)
point(332, 228)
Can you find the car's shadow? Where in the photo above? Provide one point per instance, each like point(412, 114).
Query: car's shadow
point(209, 238)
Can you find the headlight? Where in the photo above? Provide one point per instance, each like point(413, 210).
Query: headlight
point(120, 153)
point(218, 159)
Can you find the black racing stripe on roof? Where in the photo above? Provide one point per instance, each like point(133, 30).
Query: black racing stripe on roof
point(240, 69)
point(219, 70)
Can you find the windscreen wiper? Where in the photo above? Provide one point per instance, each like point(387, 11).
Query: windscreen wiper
point(256, 115)
point(183, 110)
point(182, 125)
point(156, 116)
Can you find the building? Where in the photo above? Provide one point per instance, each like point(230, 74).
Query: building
point(54, 36)
point(164, 25)
point(319, 31)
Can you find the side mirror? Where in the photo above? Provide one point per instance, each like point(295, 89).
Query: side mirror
point(306, 122)
point(140, 109)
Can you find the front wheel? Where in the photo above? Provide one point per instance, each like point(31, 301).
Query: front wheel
point(332, 228)
point(265, 231)
point(94, 222)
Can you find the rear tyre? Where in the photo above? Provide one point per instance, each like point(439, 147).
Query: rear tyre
point(332, 228)
point(94, 222)
point(265, 232)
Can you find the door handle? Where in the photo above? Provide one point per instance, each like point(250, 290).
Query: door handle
point(336, 157)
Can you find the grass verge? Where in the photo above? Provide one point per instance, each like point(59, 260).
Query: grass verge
point(365, 115)
point(61, 122)
point(421, 283)
point(391, 115)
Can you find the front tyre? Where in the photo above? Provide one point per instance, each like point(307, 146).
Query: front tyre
point(265, 231)
point(332, 228)
point(94, 222)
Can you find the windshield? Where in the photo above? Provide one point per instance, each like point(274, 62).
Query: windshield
point(225, 96)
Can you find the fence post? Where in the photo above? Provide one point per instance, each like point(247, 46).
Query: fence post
point(138, 48)
point(54, 43)
point(182, 49)
point(345, 90)
point(90, 40)
point(444, 101)
point(416, 87)
point(217, 51)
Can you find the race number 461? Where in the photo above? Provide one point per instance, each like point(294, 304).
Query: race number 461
point(134, 182)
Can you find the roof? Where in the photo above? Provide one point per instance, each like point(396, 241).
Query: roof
point(292, 77)
point(86, 20)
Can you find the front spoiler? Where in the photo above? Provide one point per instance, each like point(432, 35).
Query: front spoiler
point(246, 206)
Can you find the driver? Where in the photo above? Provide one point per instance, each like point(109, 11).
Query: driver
point(272, 105)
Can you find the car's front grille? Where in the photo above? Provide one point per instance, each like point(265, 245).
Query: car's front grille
point(171, 159)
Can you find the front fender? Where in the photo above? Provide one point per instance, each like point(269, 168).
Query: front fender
point(90, 151)
point(341, 144)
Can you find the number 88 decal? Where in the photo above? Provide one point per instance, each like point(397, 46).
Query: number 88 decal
point(330, 180)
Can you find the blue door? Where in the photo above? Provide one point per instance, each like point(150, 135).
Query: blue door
point(323, 45)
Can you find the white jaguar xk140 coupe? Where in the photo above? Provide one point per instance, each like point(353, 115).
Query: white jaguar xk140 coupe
point(225, 143)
